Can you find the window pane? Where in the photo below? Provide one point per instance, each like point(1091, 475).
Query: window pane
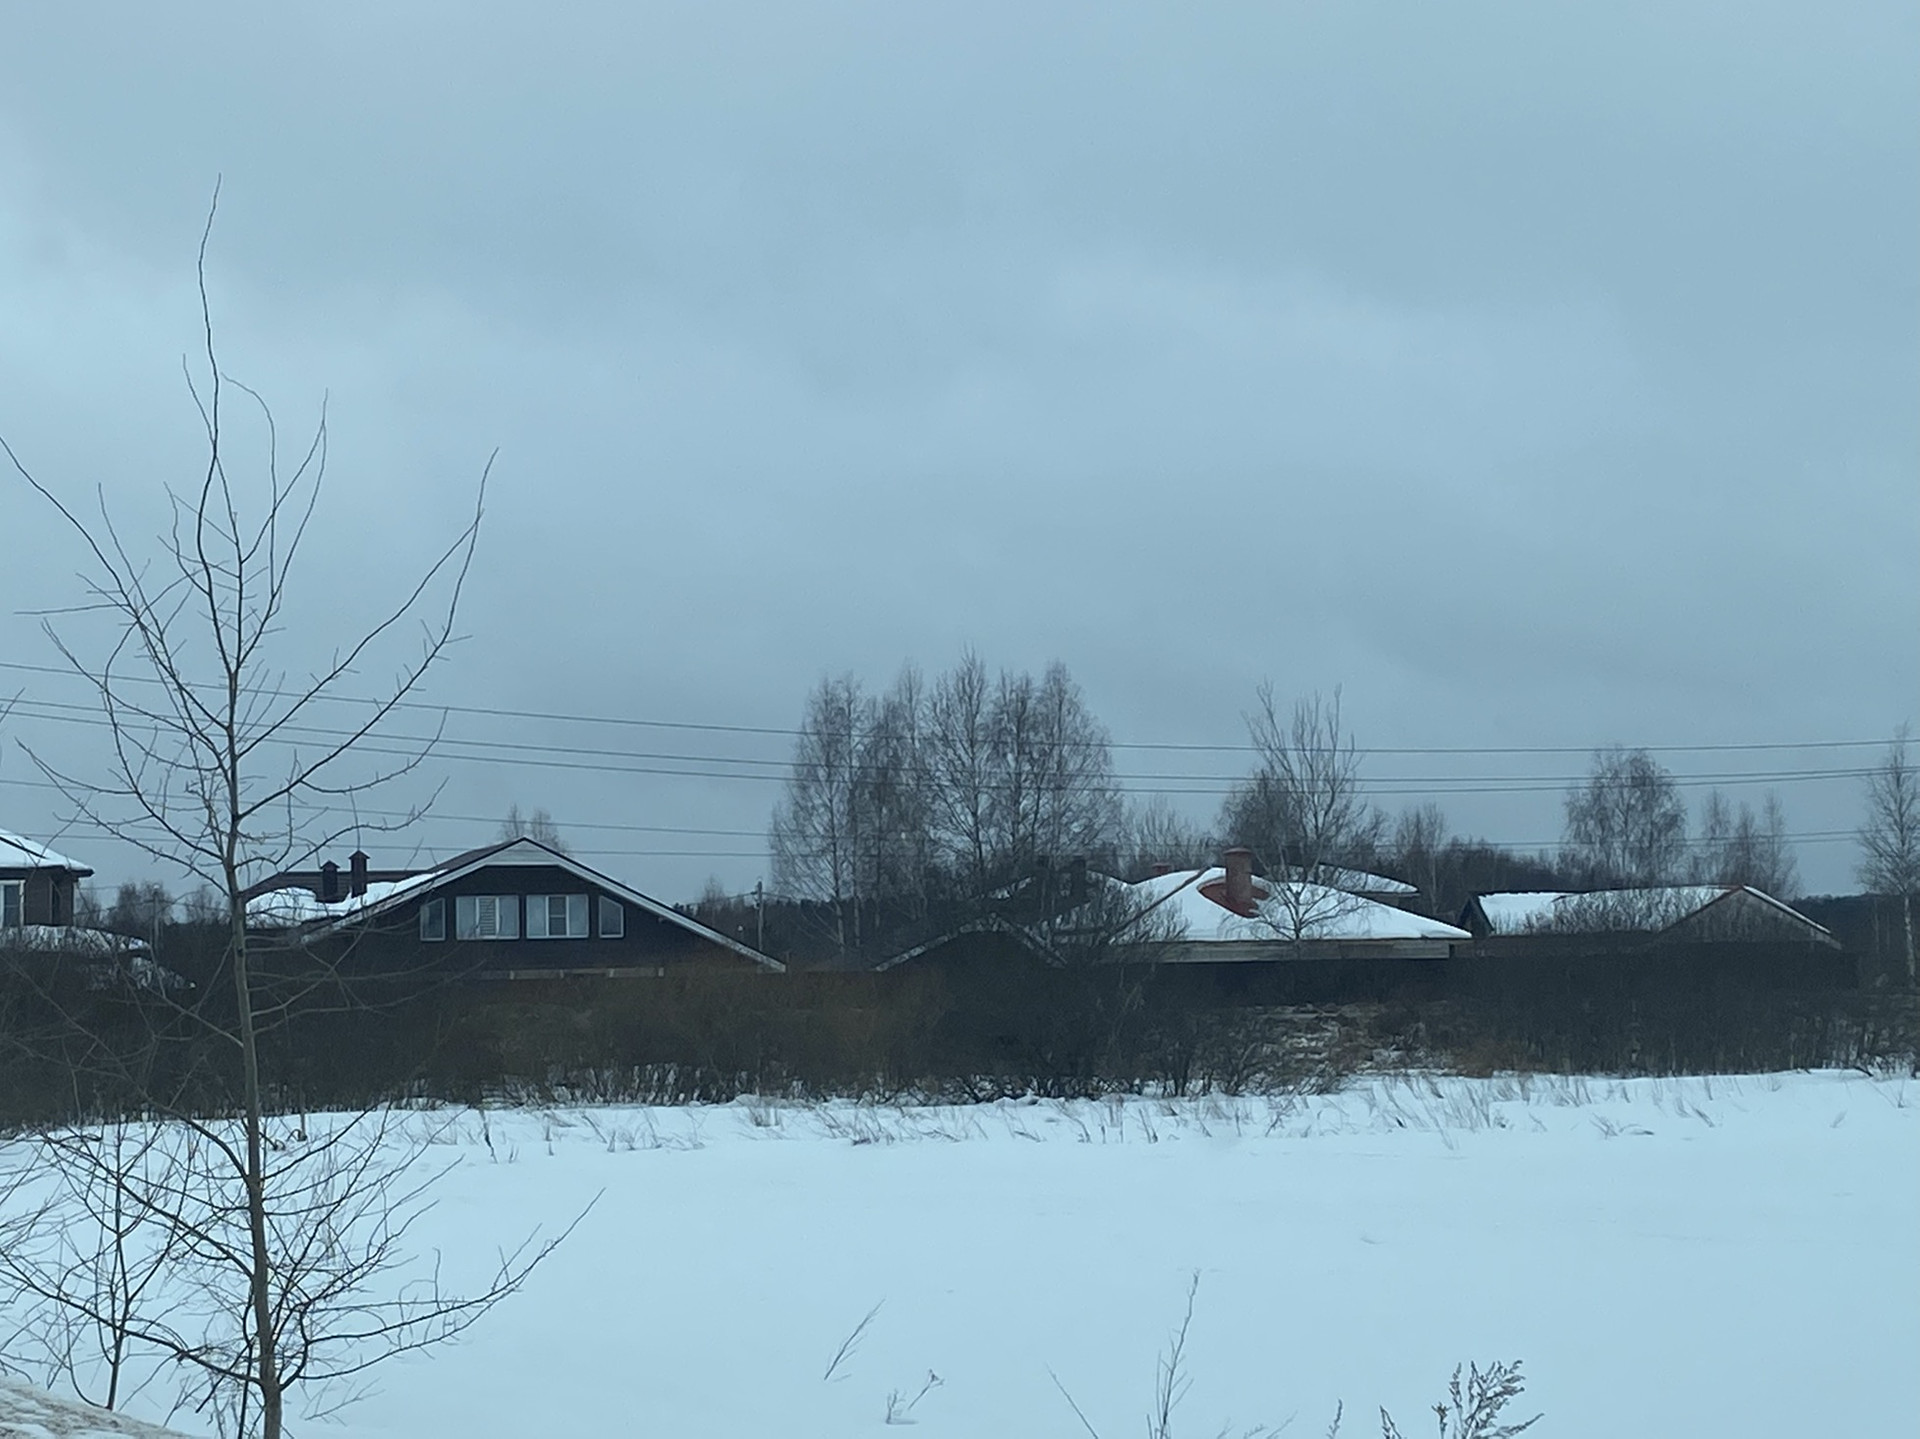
point(509, 911)
point(557, 915)
point(433, 920)
point(577, 916)
point(466, 917)
point(613, 919)
point(10, 902)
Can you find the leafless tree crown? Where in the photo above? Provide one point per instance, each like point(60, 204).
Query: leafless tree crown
point(1626, 824)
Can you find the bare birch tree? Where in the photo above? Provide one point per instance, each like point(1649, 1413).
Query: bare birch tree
point(962, 744)
point(538, 826)
point(1736, 845)
point(1303, 812)
point(1418, 846)
point(1157, 834)
point(940, 795)
point(817, 832)
point(1626, 825)
point(899, 865)
point(228, 759)
point(1890, 837)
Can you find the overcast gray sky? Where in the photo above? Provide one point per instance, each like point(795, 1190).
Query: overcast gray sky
point(1546, 378)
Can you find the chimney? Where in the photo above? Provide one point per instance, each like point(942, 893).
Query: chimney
point(1160, 867)
point(1238, 862)
point(357, 873)
point(1077, 880)
point(329, 883)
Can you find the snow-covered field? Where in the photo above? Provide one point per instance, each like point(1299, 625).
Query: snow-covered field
point(1688, 1258)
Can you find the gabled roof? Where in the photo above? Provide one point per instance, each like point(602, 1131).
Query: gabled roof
point(298, 908)
point(18, 853)
point(1021, 934)
point(1646, 910)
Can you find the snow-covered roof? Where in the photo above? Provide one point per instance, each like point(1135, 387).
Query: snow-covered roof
point(1359, 881)
point(26, 1411)
point(1318, 911)
point(291, 908)
point(18, 853)
point(1531, 911)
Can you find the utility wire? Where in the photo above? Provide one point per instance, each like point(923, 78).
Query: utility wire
point(777, 771)
point(560, 717)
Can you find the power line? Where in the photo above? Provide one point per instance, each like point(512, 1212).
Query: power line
point(559, 717)
point(778, 771)
point(1824, 836)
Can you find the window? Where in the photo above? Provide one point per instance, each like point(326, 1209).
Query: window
point(556, 916)
point(433, 920)
point(486, 916)
point(613, 919)
point(10, 898)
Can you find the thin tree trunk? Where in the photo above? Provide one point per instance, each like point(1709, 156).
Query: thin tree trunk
point(260, 1267)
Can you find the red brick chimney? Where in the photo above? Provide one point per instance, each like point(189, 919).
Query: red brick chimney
point(1238, 863)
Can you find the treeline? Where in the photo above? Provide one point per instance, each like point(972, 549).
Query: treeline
point(915, 805)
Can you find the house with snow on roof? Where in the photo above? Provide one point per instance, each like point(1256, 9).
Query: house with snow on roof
point(518, 909)
point(1226, 914)
point(1679, 914)
point(37, 885)
point(1221, 915)
point(38, 892)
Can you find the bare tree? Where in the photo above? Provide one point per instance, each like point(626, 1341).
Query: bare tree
point(1890, 837)
point(940, 795)
point(898, 864)
point(818, 826)
point(1626, 824)
point(962, 764)
point(538, 826)
point(1303, 812)
point(1419, 848)
point(228, 763)
point(1737, 846)
point(1055, 794)
point(1157, 834)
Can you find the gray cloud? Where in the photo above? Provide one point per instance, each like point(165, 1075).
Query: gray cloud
point(1545, 379)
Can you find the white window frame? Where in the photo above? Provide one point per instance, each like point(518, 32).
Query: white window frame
point(469, 910)
point(611, 909)
point(433, 921)
point(574, 912)
point(13, 899)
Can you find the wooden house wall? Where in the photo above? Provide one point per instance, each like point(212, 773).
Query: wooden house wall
point(650, 943)
point(46, 895)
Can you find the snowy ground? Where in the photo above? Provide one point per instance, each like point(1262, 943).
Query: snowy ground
point(1686, 1258)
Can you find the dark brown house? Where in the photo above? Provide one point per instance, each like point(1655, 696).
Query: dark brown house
point(513, 910)
point(36, 885)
